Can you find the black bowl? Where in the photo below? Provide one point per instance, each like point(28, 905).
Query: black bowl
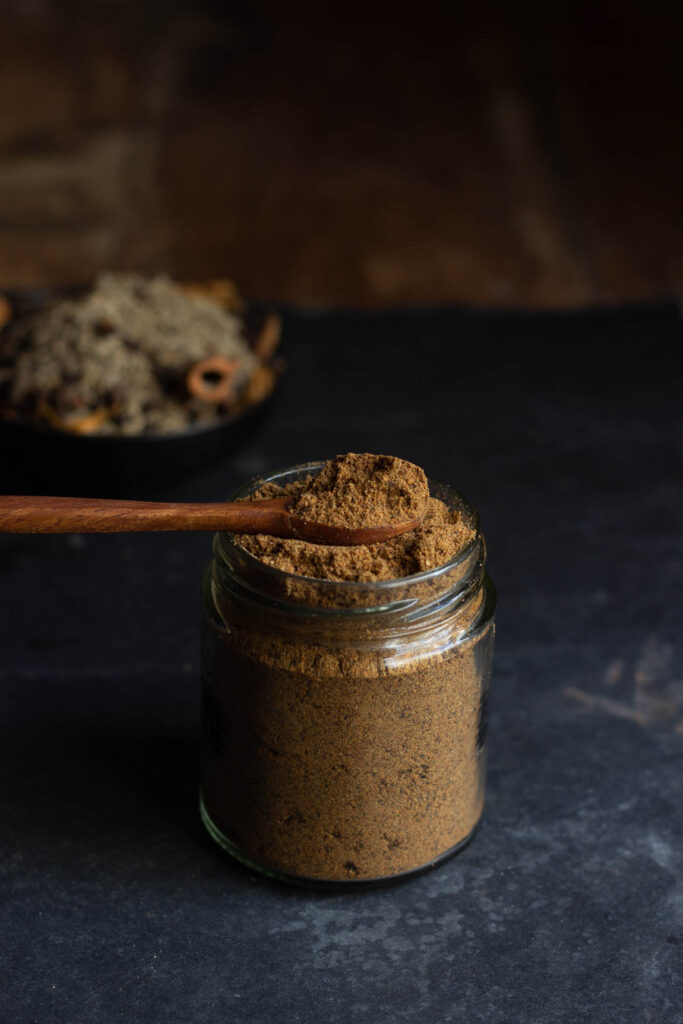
point(39, 457)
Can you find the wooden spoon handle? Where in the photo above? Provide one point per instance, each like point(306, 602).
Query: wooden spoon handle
point(20, 514)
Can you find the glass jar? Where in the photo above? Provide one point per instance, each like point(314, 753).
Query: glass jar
point(344, 724)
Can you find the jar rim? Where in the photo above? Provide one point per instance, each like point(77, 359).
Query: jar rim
point(226, 543)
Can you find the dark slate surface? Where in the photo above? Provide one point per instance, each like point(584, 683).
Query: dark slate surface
point(566, 433)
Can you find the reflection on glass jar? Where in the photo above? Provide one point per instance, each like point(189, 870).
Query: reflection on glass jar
point(344, 724)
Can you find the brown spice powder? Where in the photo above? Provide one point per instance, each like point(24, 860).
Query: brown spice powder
point(365, 490)
point(349, 746)
point(343, 766)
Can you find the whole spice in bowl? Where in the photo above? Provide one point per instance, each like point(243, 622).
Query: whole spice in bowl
point(134, 356)
point(345, 690)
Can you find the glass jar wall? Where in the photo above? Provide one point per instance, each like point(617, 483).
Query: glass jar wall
point(344, 724)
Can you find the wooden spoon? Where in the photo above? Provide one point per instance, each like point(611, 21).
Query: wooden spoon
point(19, 514)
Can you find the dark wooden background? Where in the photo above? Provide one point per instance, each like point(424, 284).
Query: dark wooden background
point(495, 155)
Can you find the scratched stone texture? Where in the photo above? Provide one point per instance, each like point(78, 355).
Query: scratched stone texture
point(566, 432)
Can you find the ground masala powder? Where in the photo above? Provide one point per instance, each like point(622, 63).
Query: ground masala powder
point(364, 490)
point(345, 697)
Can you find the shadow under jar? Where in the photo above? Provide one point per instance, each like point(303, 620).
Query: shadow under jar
point(344, 724)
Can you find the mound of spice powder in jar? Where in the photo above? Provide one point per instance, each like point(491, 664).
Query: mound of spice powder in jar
point(345, 689)
point(364, 490)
